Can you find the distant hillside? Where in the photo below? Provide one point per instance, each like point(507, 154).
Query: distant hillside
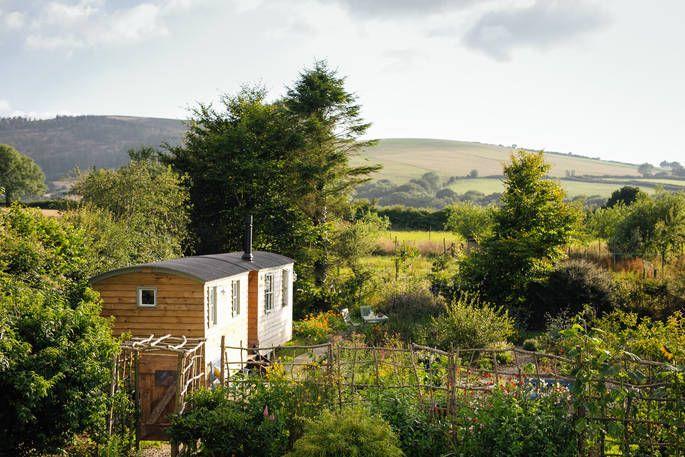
point(60, 144)
point(407, 158)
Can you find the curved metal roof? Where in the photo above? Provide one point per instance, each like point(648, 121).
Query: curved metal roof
point(206, 268)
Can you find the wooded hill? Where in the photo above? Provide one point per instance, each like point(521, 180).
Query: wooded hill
point(60, 144)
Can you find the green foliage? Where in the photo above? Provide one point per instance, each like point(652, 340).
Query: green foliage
point(512, 425)
point(409, 308)
point(653, 227)
point(250, 419)
point(469, 323)
point(531, 344)
point(356, 239)
point(402, 218)
point(602, 222)
point(626, 195)
point(420, 433)
point(146, 198)
point(656, 298)
point(224, 426)
point(318, 328)
point(20, 176)
point(471, 221)
point(351, 432)
point(569, 287)
point(531, 227)
point(287, 163)
point(646, 169)
point(43, 253)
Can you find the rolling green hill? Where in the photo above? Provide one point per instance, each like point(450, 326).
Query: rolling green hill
point(60, 144)
point(407, 158)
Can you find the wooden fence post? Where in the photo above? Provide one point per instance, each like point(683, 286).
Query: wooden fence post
point(223, 359)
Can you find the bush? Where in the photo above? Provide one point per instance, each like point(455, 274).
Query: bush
point(316, 328)
point(409, 311)
point(468, 323)
point(55, 348)
point(351, 432)
point(527, 425)
point(570, 286)
point(247, 419)
point(531, 344)
point(420, 433)
point(654, 298)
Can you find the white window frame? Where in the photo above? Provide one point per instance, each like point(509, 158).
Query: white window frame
point(268, 292)
point(212, 306)
point(285, 287)
point(235, 298)
point(140, 297)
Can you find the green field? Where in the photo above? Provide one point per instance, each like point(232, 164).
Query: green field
point(407, 158)
point(572, 188)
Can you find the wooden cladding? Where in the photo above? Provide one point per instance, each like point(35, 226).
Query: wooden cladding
point(179, 305)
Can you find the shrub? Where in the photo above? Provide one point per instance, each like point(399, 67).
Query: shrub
point(420, 433)
point(244, 420)
point(654, 298)
point(467, 322)
point(531, 344)
point(570, 286)
point(316, 328)
point(409, 311)
point(352, 432)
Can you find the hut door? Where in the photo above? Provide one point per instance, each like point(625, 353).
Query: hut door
point(157, 389)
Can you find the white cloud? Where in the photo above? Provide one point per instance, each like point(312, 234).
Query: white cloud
point(539, 25)
point(14, 20)
point(71, 25)
point(4, 106)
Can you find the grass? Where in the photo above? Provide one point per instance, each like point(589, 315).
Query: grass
point(384, 266)
point(428, 243)
point(407, 158)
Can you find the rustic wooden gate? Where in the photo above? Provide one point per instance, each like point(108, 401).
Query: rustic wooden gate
point(150, 368)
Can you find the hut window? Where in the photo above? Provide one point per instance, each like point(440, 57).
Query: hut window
point(235, 298)
point(268, 292)
point(147, 296)
point(211, 306)
point(285, 287)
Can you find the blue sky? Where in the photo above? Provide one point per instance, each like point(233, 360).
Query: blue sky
point(603, 78)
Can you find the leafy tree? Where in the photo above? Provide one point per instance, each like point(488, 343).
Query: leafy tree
point(55, 349)
point(471, 221)
point(602, 222)
point(646, 169)
point(146, 196)
point(626, 195)
point(19, 175)
point(653, 227)
point(473, 173)
point(240, 161)
point(531, 227)
point(357, 239)
point(332, 128)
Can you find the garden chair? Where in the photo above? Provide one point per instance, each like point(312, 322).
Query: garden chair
point(348, 319)
point(370, 317)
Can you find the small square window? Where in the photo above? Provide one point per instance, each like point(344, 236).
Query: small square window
point(147, 296)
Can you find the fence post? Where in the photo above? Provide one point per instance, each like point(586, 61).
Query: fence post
point(223, 359)
point(451, 382)
point(412, 356)
point(330, 369)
